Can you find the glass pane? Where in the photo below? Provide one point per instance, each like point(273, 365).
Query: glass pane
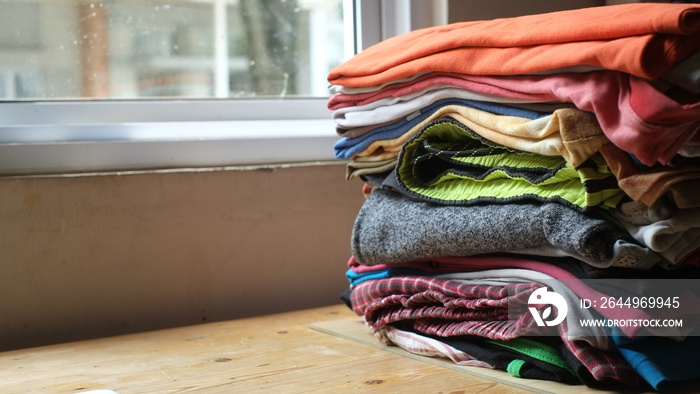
point(124, 49)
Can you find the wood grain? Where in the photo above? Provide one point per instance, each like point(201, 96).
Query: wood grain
point(322, 350)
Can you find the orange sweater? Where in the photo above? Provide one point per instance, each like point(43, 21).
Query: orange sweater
point(643, 39)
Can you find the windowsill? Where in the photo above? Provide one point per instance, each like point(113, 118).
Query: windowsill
point(164, 135)
point(169, 145)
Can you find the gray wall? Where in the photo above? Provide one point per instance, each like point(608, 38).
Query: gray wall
point(103, 255)
point(474, 10)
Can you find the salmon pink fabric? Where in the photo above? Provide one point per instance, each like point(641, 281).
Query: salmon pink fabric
point(631, 112)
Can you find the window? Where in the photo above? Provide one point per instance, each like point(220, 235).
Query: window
point(132, 49)
point(89, 85)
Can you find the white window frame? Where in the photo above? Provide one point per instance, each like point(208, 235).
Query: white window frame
point(68, 137)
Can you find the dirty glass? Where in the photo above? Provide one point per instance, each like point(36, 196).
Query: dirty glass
point(124, 49)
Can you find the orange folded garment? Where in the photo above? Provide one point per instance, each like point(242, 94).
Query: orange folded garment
point(642, 39)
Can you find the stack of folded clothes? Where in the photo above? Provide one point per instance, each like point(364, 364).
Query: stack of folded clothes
point(507, 160)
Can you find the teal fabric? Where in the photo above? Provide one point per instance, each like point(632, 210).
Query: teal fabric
point(663, 362)
point(514, 367)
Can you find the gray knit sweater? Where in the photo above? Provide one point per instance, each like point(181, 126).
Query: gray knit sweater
point(390, 228)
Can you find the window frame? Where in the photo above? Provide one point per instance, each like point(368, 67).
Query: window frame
point(83, 136)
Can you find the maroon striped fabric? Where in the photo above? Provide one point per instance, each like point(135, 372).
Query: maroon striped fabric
point(446, 307)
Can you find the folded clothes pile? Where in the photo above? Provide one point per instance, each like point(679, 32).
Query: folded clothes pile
point(509, 161)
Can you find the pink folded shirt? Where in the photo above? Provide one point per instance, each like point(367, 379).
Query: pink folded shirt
point(634, 115)
point(575, 284)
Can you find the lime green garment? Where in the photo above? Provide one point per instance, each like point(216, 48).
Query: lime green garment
point(448, 163)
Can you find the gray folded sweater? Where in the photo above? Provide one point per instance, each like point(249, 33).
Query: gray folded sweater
point(390, 228)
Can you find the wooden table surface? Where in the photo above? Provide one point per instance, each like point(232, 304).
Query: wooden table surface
point(276, 353)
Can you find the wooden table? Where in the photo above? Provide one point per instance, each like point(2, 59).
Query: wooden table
point(282, 353)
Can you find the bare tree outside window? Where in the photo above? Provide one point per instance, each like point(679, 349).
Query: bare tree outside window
point(272, 37)
point(139, 49)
